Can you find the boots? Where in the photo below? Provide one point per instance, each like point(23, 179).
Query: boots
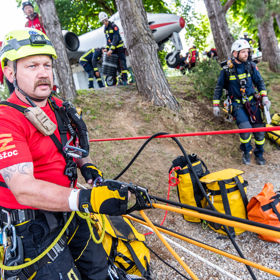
point(260, 160)
point(246, 158)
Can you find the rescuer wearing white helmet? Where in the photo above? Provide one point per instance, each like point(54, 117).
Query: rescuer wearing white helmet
point(102, 16)
point(38, 171)
point(115, 45)
point(240, 77)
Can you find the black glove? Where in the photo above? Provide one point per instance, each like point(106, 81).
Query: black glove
point(90, 171)
point(109, 198)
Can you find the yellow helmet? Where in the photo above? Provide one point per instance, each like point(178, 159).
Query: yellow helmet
point(26, 42)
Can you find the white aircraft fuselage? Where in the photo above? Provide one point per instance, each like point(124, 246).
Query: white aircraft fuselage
point(163, 27)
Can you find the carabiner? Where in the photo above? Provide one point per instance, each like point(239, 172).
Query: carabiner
point(6, 228)
point(14, 239)
point(73, 151)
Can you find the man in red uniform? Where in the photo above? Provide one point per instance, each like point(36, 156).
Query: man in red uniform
point(38, 170)
point(33, 19)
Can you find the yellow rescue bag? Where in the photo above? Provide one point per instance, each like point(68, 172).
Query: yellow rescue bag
point(274, 136)
point(124, 245)
point(188, 189)
point(227, 192)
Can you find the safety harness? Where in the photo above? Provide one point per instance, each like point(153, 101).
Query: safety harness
point(231, 74)
point(68, 121)
point(66, 117)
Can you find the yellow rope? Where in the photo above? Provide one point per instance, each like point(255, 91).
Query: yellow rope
point(21, 266)
point(87, 217)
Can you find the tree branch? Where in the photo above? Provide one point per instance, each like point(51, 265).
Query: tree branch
point(228, 4)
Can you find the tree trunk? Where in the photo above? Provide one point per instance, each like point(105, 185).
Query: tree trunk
point(269, 44)
point(150, 78)
point(222, 37)
point(62, 65)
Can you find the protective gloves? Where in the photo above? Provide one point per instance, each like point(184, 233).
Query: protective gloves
point(216, 111)
point(266, 102)
point(109, 198)
point(90, 172)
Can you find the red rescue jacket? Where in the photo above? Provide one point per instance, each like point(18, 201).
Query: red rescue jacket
point(35, 23)
point(192, 55)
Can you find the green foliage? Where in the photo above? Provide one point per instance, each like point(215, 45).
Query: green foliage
point(197, 26)
point(204, 77)
point(4, 92)
point(161, 56)
point(199, 31)
point(247, 13)
point(82, 16)
point(156, 6)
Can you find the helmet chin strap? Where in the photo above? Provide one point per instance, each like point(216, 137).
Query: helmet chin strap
point(238, 57)
point(28, 98)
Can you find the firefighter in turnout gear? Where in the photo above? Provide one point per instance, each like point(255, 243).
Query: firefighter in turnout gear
point(89, 61)
point(115, 44)
point(43, 141)
point(240, 77)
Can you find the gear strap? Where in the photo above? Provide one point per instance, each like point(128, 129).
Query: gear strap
point(71, 166)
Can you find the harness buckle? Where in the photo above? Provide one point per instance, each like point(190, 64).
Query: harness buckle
point(21, 216)
point(56, 250)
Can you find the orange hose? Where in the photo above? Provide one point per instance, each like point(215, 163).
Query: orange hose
point(217, 220)
point(170, 249)
point(215, 250)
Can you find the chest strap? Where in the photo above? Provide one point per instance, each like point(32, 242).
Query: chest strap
point(71, 166)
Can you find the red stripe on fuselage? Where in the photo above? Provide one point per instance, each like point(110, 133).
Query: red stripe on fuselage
point(154, 26)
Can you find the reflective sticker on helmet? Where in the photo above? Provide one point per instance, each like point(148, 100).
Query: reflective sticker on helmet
point(33, 32)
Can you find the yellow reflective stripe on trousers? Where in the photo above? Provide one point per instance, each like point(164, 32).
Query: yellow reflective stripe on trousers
point(244, 141)
point(216, 102)
point(261, 142)
point(120, 45)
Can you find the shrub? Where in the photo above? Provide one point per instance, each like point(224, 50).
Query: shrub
point(204, 77)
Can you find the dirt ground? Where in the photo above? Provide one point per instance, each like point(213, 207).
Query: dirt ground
point(121, 112)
